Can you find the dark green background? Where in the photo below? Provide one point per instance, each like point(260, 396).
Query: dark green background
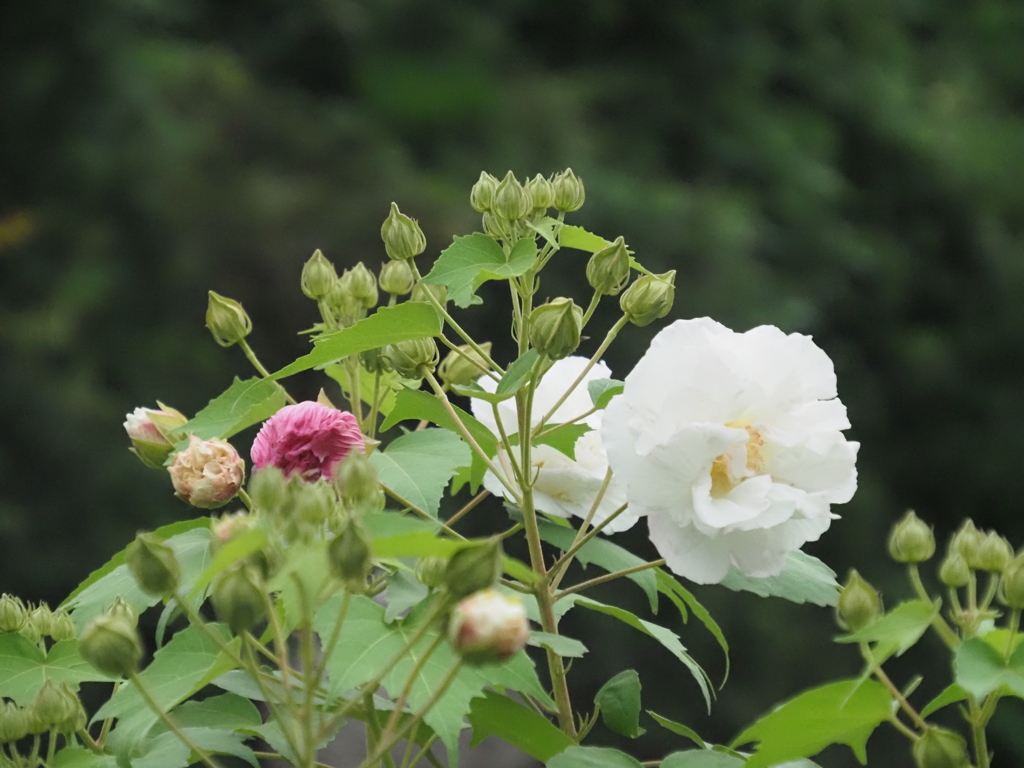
point(849, 170)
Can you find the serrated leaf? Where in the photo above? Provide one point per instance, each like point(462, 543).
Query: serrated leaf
point(593, 757)
point(563, 437)
point(241, 405)
point(80, 757)
point(474, 259)
point(897, 630)
point(546, 227)
point(566, 647)
point(845, 712)
point(518, 725)
point(619, 701)
point(571, 236)
point(678, 728)
point(517, 374)
point(168, 751)
point(418, 465)
point(403, 592)
point(805, 579)
point(949, 695)
point(603, 390)
point(980, 669)
point(24, 668)
point(682, 597)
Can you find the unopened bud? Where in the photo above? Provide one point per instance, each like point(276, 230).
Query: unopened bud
point(238, 600)
point(153, 564)
point(481, 196)
point(423, 292)
point(356, 482)
point(608, 268)
point(48, 707)
point(939, 748)
point(569, 192)
point(373, 360)
point(431, 570)
point(858, 604)
point(123, 611)
point(413, 359)
point(396, 278)
point(226, 320)
point(14, 723)
point(318, 276)
point(995, 553)
point(345, 307)
point(555, 328)
point(1011, 590)
point(542, 192)
point(474, 567)
point(403, 238)
point(488, 627)
point(954, 571)
point(41, 618)
point(12, 614)
point(229, 527)
point(350, 556)
point(967, 541)
point(74, 713)
point(30, 630)
point(111, 645)
point(208, 473)
point(649, 298)
point(911, 540)
point(62, 627)
point(464, 365)
point(149, 431)
point(361, 285)
point(511, 200)
point(497, 226)
point(268, 489)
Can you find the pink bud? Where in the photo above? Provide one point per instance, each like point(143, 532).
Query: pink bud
point(148, 429)
point(488, 626)
point(308, 439)
point(208, 473)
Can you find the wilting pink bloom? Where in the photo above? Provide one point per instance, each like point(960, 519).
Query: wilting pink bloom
point(488, 626)
point(208, 473)
point(308, 439)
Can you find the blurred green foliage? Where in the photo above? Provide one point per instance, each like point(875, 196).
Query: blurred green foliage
point(849, 170)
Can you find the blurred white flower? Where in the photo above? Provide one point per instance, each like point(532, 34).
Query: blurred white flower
point(731, 444)
point(564, 487)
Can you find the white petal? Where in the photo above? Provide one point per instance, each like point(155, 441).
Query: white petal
point(745, 502)
point(688, 552)
point(827, 463)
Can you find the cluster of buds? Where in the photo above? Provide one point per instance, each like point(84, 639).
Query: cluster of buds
point(34, 622)
point(111, 643)
point(150, 432)
point(55, 708)
point(507, 203)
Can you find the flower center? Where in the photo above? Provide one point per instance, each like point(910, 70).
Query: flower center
point(729, 469)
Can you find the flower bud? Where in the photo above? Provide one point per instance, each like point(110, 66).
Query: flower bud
point(464, 365)
point(356, 482)
point(315, 501)
point(123, 611)
point(149, 430)
point(911, 540)
point(41, 619)
point(858, 604)
point(12, 614)
point(268, 489)
point(995, 553)
point(74, 713)
point(423, 292)
point(345, 307)
point(431, 570)
point(412, 359)
point(62, 627)
point(238, 600)
point(649, 298)
point(229, 527)
point(481, 196)
point(14, 723)
point(396, 278)
point(967, 541)
point(318, 276)
point(939, 748)
point(1012, 584)
point(226, 320)
point(403, 238)
point(350, 556)
point(488, 626)
point(208, 473)
point(48, 707)
point(111, 644)
point(153, 564)
point(555, 328)
point(608, 268)
point(954, 571)
point(569, 192)
point(497, 226)
point(30, 629)
point(511, 200)
point(542, 192)
point(361, 285)
point(474, 567)
point(373, 360)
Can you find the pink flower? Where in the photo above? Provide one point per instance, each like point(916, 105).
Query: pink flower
point(308, 439)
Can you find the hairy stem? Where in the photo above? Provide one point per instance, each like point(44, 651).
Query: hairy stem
point(154, 705)
point(261, 370)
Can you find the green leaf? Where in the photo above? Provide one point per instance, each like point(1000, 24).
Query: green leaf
point(418, 465)
point(520, 726)
point(24, 668)
point(1000, 639)
point(403, 592)
point(897, 630)
point(607, 555)
point(845, 712)
point(603, 390)
point(168, 751)
point(387, 389)
point(546, 228)
point(472, 260)
point(680, 596)
point(577, 237)
point(475, 390)
point(805, 579)
point(238, 549)
point(593, 757)
point(517, 374)
point(678, 729)
point(619, 701)
point(227, 712)
point(666, 637)
point(388, 325)
point(950, 695)
point(563, 437)
point(701, 758)
point(415, 545)
point(980, 669)
point(80, 757)
point(241, 405)
point(566, 647)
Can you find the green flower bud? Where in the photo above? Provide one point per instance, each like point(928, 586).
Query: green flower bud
point(939, 748)
point(74, 713)
point(356, 481)
point(954, 571)
point(268, 489)
point(238, 599)
point(373, 360)
point(226, 320)
point(30, 629)
point(318, 276)
point(62, 627)
point(649, 298)
point(12, 613)
point(431, 571)
point(967, 541)
point(911, 540)
point(858, 605)
point(473, 568)
point(361, 285)
point(608, 268)
point(153, 564)
point(315, 501)
point(542, 192)
point(229, 527)
point(481, 197)
point(350, 556)
point(41, 617)
point(14, 723)
point(569, 192)
point(112, 645)
point(403, 238)
point(48, 708)
point(511, 200)
point(995, 553)
point(123, 611)
point(345, 307)
point(413, 359)
point(497, 226)
point(396, 278)
point(464, 365)
point(555, 328)
point(1012, 584)
point(423, 291)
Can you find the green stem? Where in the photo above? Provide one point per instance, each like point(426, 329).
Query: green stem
point(583, 541)
point(990, 590)
point(978, 735)
point(169, 722)
point(421, 512)
point(275, 711)
point(470, 506)
point(260, 369)
point(893, 690)
point(484, 370)
point(373, 730)
point(607, 577)
point(594, 301)
point(506, 444)
point(938, 623)
point(1013, 626)
point(355, 389)
point(556, 578)
point(84, 735)
point(327, 650)
point(374, 406)
point(407, 689)
point(567, 422)
point(108, 723)
point(51, 748)
point(899, 726)
point(281, 644)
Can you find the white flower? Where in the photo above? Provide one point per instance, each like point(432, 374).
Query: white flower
point(731, 444)
point(563, 487)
